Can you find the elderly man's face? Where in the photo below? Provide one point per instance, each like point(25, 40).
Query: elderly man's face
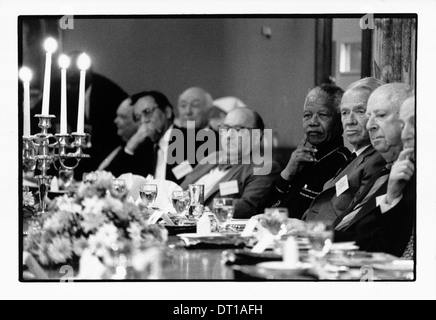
point(126, 126)
point(235, 123)
point(354, 118)
point(147, 112)
point(383, 125)
point(192, 106)
point(407, 122)
point(318, 120)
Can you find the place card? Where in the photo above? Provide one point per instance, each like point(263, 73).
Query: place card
point(167, 219)
point(154, 217)
point(228, 188)
point(203, 225)
point(265, 241)
point(342, 185)
point(249, 227)
point(182, 170)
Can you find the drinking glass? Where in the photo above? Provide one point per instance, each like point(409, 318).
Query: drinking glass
point(118, 188)
point(148, 194)
point(275, 220)
point(89, 177)
point(66, 177)
point(181, 201)
point(223, 209)
point(196, 193)
point(320, 236)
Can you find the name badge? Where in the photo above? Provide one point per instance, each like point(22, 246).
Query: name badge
point(342, 185)
point(228, 188)
point(182, 170)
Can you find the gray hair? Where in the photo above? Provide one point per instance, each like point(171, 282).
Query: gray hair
point(366, 85)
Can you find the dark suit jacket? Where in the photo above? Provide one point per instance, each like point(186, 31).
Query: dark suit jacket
point(143, 162)
point(387, 232)
point(253, 189)
point(297, 195)
point(327, 206)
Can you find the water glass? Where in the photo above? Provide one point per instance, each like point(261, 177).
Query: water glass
point(320, 236)
point(118, 188)
point(66, 177)
point(89, 177)
point(181, 201)
point(148, 194)
point(223, 209)
point(275, 220)
point(196, 193)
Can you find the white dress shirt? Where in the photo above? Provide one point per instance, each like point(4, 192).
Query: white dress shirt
point(360, 151)
point(211, 179)
point(162, 154)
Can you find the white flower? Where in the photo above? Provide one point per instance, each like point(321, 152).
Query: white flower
point(92, 222)
point(28, 199)
point(93, 205)
point(60, 250)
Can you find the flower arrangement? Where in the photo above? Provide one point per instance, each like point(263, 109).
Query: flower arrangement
point(29, 205)
point(91, 220)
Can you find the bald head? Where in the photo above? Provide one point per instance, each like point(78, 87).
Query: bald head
point(245, 118)
point(383, 118)
point(193, 105)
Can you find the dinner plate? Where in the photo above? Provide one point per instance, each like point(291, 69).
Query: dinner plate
point(345, 246)
point(396, 265)
point(197, 236)
point(280, 265)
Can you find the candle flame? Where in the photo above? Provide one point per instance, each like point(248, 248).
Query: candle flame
point(25, 74)
point(50, 45)
point(83, 61)
point(64, 61)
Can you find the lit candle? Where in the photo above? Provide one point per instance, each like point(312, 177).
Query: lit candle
point(83, 62)
point(64, 63)
point(50, 46)
point(25, 76)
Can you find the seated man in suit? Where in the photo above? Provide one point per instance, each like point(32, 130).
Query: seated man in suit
point(338, 193)
point(228, 174)
point(382, 220)
point(310, 167)
point(126, 128)
point(148, 151)
point(193, 105)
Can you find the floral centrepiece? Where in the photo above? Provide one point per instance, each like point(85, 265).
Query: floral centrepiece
point(95, 221)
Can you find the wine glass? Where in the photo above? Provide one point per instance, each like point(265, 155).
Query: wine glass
point(320, 236)
point(223, 209)
point(89, 177)
point(66, 177)
point(118, 188)
point(181, 201)
point(148, 194)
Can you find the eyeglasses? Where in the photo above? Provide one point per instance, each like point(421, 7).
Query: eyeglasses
point(236, 128)
point(146, 113)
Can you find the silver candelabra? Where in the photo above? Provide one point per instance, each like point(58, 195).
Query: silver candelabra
point(43, 149)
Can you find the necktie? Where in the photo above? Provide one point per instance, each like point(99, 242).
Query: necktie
point(349, 217)
point(160, 165)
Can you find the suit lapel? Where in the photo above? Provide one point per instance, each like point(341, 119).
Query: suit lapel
point(351, 167)
point(369, 205)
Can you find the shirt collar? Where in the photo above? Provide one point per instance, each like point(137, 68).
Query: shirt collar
point(163, 142)
point(360, 151)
